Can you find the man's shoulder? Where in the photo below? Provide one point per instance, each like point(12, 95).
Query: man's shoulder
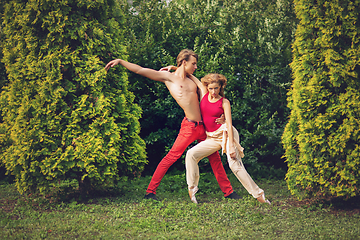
point(170, 76)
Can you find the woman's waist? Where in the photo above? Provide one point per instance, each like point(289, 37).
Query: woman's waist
point(211, 125)
point(218, 132)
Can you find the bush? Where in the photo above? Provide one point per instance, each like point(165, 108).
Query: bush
point(63, 116)
point(322, 136)
point(247, 41)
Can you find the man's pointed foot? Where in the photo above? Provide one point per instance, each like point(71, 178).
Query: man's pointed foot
point(233, 195)
point(151, 196)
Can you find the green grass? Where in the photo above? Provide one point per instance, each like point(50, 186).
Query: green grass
point(122, 213)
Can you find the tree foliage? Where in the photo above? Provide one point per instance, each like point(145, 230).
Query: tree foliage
point(63, 116)
point(247, 41)
point(3, 78)
point(3, 82)
point(322, 136)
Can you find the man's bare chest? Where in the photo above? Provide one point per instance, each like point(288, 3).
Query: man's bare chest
point(182, 89)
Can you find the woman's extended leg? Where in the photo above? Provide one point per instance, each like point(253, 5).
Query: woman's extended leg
point(237, 167)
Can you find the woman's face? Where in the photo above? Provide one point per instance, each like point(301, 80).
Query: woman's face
point(214, 90)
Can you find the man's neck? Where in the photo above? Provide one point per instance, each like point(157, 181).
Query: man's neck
point(180, 71)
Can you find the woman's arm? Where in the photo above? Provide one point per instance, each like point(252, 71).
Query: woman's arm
point(228, 120)
point(203, 89)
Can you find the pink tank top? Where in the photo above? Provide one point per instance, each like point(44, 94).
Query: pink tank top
point(211, 111)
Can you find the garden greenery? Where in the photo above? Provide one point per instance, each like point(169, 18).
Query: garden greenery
point(64, 117)
point(322, 137)
point(247, 41)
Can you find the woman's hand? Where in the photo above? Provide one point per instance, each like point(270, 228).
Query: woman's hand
point(168, 68)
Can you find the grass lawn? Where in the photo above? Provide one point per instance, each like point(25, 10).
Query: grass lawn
point(122, 213)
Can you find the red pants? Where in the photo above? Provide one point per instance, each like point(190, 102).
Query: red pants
point(189, 132)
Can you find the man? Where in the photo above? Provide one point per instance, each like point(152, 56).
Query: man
point(184, 91)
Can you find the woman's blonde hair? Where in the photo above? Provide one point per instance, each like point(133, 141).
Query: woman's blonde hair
point(215, 78)
point(185, 55)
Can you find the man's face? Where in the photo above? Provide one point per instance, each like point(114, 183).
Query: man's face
point(191, 65)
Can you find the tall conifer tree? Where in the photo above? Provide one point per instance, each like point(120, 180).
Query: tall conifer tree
point(64, 117)
point(322, 137)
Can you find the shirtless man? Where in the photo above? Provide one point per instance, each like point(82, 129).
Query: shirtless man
point(184, 91)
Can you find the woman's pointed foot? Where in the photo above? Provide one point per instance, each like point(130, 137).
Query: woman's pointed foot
point(263, 200)
point(192, 192)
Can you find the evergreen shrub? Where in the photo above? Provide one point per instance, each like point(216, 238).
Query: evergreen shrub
point(3, 82)
point(64, 117)
point(322, 137)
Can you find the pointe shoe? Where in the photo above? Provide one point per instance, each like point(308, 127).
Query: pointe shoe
point(263, 200)
point(192, 192)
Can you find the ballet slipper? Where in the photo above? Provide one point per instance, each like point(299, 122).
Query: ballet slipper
point(192, 192)
point(263, 200)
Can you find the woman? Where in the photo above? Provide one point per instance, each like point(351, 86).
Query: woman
point(225, 136)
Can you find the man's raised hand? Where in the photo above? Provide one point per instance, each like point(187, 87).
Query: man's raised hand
point(112, 63)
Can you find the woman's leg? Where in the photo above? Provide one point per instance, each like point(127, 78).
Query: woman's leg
point(218, 170)
point(237, 167)
point(194, 155)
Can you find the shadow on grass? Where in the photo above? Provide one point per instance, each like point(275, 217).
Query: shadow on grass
point(334, 205)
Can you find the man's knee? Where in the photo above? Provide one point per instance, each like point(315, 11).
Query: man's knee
point(169, 159)
point(214, 158)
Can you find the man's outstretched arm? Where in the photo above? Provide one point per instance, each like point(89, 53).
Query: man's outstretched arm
point(146, 72)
